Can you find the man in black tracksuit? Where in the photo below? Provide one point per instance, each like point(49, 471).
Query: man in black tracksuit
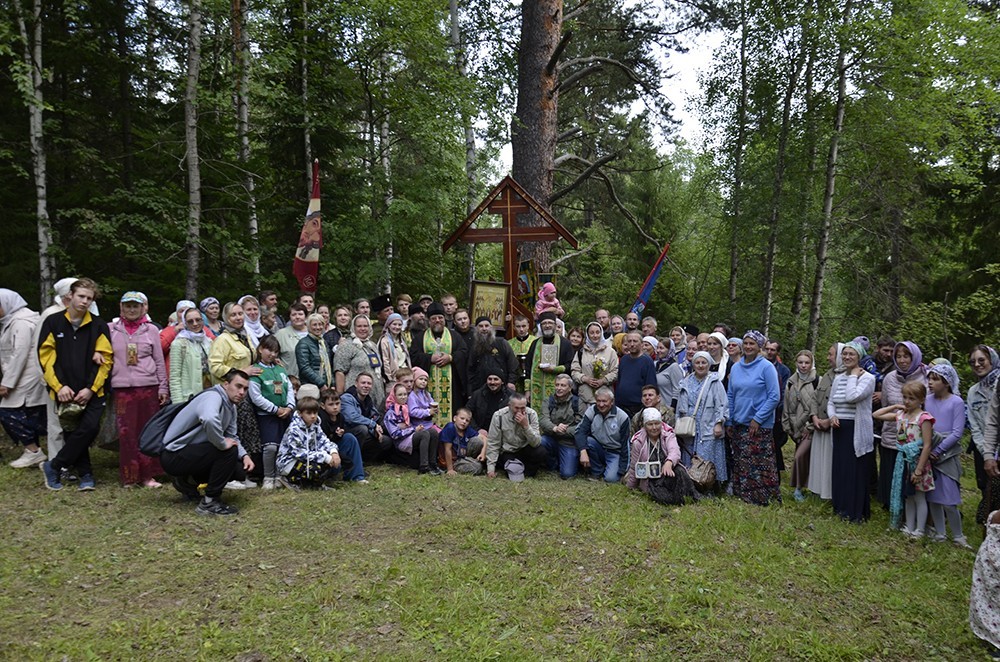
point(74, 349)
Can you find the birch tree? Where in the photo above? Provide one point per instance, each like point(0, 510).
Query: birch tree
point(30, 84)
point(192, 245)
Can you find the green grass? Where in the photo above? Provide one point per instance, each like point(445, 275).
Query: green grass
point(417, 567)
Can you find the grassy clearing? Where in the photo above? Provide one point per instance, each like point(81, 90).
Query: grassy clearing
point(417, 567)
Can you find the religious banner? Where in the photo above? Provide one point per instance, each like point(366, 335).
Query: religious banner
point(642, 298)
point(489, 300)
point(306, 265)
point(526, 285)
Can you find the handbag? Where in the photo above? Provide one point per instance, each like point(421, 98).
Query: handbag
point(702, 472)
point(686, 426)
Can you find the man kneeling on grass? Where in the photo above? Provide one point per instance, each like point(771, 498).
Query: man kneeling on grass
point(307, 457)
point(514, 442)
point(201, 444)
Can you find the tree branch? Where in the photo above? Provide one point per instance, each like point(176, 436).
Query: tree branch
point(575, 11)
point(560, 47)
point(594, 64)
point(566, 135)
point(570, 256)
point(583, 176)
point(614, 197)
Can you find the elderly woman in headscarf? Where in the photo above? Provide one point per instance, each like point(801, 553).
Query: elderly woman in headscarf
point(596, 365)
point(948, 410)
point(753, 397)
point(850, 411)
point(312, 355)
point(669, 373)
point(235, 349)
point(251, 318)
point(357, 355)
point(189, 373)
point(985, 364)
point(210, 309)
point(23, 394)
point(169, 332)
point(907, 359)
point(702, 397)
point(654, 456)
point(139, 380)
point(392, 348)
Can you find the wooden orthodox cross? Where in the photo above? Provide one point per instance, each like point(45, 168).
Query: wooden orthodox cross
point(509, 199)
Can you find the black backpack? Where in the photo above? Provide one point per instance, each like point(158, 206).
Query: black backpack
point(155, 430)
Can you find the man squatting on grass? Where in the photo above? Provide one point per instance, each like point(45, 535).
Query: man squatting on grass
point(201, 444)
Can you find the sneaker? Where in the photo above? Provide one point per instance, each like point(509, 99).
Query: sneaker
point(67, 476)
point(799, 496)
point(284, 482)
point(51, 476)
point(235, 485)
point(153, 484)
point(186, 488)
point(962, 542)
point(594, 479)
point(215, 507)
point(360, 481)
point(86, 483)
point(249, 484)
point(435, 471)
point(269, 484)
point(29, 459)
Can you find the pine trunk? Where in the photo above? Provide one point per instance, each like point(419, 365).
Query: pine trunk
point(191, 137)
point(534, 127)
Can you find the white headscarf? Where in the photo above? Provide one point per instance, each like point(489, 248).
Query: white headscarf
point(724, 361)
point(253, 327)
point(10, 302)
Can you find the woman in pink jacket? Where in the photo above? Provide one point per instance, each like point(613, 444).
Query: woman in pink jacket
point(139, 380)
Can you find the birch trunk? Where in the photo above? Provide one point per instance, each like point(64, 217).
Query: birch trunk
point(33, 61)
point(191, 138)
point(241, 56)
point(822, 242)
point(306, 119)
point(741, 127)
point(778, 189)
point(806, 206)
point(471, 177)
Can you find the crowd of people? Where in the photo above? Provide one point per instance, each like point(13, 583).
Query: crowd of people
point(300, 396)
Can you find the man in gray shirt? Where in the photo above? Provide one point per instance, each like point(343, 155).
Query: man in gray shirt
point(201, 444)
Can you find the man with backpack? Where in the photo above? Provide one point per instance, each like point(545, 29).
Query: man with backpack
point(201, 444)
point(557, 420)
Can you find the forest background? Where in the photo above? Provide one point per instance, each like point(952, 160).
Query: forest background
point(848, 183)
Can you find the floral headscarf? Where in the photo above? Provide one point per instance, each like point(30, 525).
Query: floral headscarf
point(946, 372)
